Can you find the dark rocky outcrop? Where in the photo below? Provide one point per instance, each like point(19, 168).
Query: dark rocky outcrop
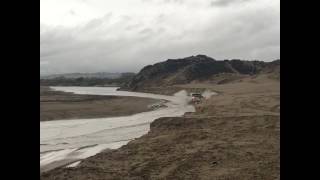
point(200, 67)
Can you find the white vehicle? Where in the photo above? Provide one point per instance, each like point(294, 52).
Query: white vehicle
point(196, 97)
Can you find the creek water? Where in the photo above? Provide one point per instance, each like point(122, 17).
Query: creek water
point(66, 141)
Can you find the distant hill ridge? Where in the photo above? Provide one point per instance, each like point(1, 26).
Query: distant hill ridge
point(86, 79)
point(101, 75)
point(200, 67)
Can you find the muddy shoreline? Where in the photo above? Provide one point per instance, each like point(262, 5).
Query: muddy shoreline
point(57, 105)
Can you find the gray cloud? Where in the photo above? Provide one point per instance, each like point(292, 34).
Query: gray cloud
point(221, 3)
point(127, 42)
point(72, 12)
point(174, 1)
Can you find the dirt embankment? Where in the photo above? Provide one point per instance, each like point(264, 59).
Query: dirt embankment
point(234, 135)
point(56, 105)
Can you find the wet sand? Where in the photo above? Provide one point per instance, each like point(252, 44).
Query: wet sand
point(57, 105)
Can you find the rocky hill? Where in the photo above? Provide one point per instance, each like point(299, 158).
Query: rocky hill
point(200, 68)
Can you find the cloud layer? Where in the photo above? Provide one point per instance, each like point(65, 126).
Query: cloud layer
point(119, 36)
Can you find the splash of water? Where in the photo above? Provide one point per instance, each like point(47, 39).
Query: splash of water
point(183, 96)
point(207, 94)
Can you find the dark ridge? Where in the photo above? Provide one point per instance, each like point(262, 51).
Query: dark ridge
point(199, 67)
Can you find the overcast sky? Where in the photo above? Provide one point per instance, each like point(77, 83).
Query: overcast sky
point(126, 35)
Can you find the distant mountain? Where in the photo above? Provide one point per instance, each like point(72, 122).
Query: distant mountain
point(100, 75)
point(87, 79)
point(200, 67)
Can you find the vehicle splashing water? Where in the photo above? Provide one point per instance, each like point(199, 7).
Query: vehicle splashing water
point(207, 94)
